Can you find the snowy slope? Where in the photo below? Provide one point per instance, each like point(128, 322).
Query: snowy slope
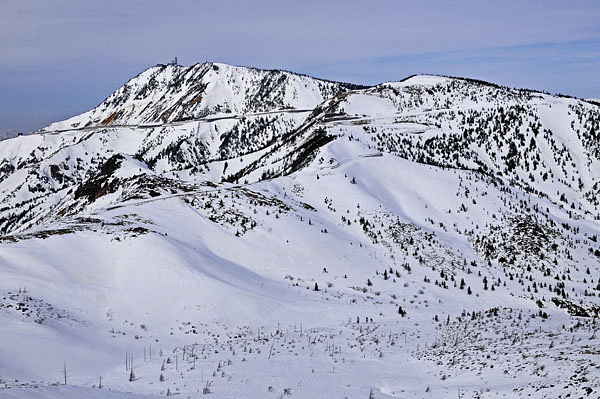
point(549, 146)
point(386, 241)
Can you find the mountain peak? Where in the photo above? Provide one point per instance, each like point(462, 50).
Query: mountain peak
point(173, 93)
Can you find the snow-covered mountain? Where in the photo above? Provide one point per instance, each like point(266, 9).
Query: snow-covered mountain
point(175, 93)
point(243, 233)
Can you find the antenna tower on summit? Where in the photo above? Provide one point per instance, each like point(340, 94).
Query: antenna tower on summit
point(174, 62)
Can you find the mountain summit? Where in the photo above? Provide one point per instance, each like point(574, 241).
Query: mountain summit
point(175, 93)
point(246, 233)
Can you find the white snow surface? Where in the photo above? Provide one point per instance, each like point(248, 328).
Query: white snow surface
point(268, 253)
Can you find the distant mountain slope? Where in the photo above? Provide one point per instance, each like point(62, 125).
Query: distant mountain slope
point(549, 146)
point(172, 93)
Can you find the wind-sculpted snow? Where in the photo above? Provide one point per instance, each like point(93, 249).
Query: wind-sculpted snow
point(228, 232)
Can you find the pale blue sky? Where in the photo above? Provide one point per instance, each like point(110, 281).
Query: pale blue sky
point(59, 58)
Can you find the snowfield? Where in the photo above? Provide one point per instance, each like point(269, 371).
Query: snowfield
point(225, 232)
